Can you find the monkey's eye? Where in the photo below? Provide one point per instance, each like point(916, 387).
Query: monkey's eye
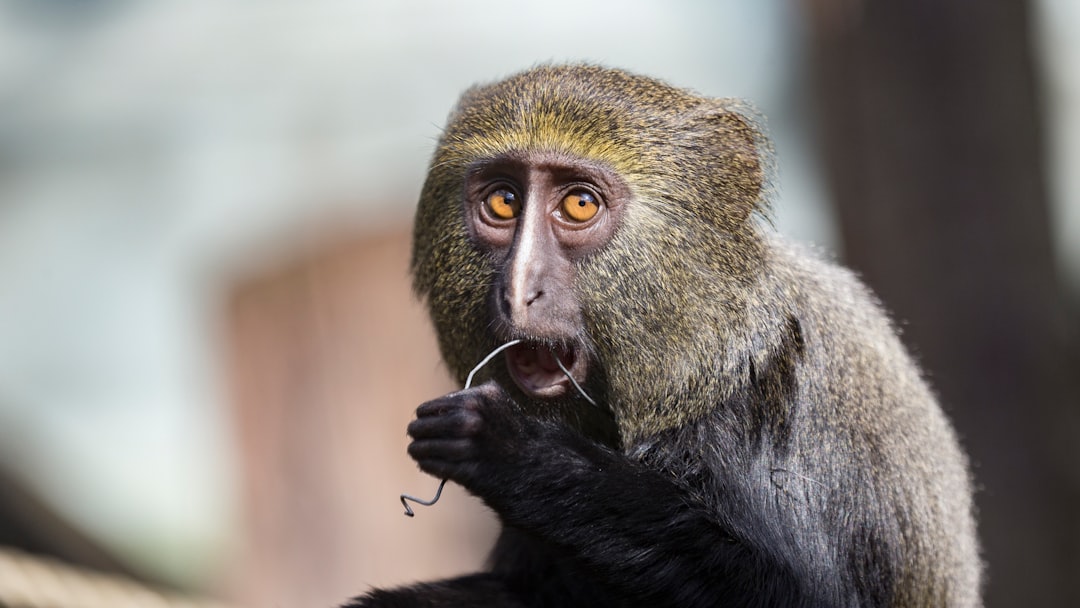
point(579, 206)
point(503, 204)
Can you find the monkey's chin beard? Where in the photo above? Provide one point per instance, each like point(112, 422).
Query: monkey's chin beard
point(535, 369)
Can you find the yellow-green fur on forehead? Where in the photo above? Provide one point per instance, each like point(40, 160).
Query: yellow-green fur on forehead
point(570, 110)
point(542, 133)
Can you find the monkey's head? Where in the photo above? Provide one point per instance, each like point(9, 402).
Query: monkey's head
point(603, 218)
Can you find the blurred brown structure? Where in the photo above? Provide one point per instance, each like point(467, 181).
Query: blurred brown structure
point(930, 121)
point(330, 356)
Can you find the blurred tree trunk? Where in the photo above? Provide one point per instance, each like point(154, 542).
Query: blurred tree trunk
point(930, 128)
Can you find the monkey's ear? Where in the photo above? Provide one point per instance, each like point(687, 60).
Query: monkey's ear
point(736, 159)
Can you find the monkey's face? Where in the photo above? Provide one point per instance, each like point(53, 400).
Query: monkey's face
point(536, 215)
point(599, 217)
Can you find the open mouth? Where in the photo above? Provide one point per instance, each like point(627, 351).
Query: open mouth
point(535, 368)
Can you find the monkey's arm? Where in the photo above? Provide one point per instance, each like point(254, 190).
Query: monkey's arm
point(632, 527)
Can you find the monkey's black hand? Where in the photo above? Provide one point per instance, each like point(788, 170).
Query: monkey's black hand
point(587, 499)
point(517, 463)
point(465, 436)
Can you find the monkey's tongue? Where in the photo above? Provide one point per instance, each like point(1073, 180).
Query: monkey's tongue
point(536, 370)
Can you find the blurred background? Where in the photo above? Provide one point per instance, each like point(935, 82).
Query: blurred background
point(208, 346)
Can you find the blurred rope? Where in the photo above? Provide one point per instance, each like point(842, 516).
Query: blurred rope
point(28, 581)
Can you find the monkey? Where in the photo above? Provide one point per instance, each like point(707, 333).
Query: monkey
point(760, 435)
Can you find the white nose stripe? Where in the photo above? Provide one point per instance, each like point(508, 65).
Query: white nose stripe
point(521, 267)
point(519, 271)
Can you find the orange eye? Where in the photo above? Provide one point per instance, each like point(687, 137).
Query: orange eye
point(580, 206)
point(503, 204)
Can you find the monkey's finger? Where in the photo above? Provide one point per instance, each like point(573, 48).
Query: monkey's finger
point(457, 424)
point(451, 450)
point(448, 403)
point(446, 469)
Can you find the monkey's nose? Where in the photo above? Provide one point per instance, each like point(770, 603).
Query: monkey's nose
point(516, 304)
point(532, 296)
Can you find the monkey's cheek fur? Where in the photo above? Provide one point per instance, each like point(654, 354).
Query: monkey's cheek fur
point(535, 369)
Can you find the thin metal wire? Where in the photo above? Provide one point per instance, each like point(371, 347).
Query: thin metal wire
point(468, 381)
point(426, 503)
point(572, 381)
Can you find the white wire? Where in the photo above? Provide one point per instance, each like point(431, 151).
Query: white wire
point(468, 381)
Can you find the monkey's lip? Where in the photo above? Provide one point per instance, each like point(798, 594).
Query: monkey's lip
point(535, 368)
